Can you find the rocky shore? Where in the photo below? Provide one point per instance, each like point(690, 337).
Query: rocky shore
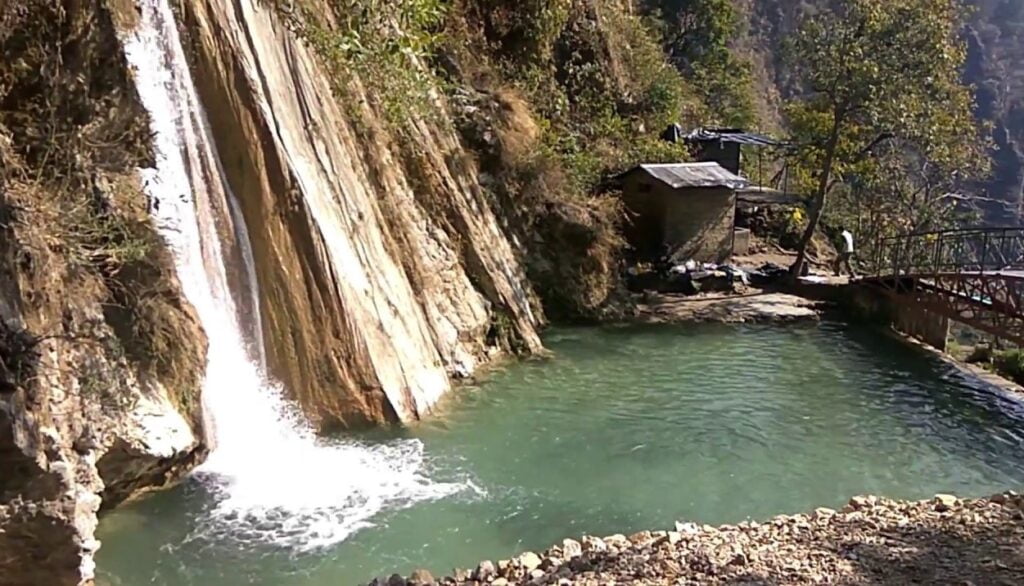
point(872, 540)
point(752, 307)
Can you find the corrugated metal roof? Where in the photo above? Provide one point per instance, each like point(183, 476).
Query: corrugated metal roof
point(677, 175)
point(731, 135)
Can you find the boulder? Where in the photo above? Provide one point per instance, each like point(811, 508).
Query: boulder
point(618, 541)
point(641, 539)
point(396, 580)
point(944, 502)
point(571, 548)
point(687, 528)
point(484, 571)
point(860, 503)
point(529, 561)
point(593, 544)
point(421, 578)
point(550, 564)
point(824, 513)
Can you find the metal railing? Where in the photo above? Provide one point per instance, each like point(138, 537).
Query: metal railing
point(978, 250)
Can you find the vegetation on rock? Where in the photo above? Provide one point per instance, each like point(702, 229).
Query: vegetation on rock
point(698, 36)
point(1010, 363)
point(76, 229)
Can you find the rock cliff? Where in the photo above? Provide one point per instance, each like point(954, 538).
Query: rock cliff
point(381, 279)
point(98, 395)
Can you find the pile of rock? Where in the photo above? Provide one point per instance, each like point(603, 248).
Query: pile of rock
point(944, 540)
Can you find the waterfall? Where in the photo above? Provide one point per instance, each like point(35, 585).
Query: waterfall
point(272, 478)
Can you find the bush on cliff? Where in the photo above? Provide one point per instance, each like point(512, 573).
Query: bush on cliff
point(76, 229)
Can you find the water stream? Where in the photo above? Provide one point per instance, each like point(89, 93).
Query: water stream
point(625, 429)
point(270, 478)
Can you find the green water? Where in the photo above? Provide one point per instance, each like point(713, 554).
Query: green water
point(627, 429)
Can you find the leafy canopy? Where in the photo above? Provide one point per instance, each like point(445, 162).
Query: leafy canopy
point(876, 73)
point(697, 35)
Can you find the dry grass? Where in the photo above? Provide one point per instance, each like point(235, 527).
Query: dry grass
point(78, 235)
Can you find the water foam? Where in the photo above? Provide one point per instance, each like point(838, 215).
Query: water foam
point(275, 481)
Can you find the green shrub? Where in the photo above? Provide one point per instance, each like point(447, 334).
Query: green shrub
point(1010, 364)
point(383, 44)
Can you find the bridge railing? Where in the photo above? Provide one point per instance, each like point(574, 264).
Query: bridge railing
point(979, 250)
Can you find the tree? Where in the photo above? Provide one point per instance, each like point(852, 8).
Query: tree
point(876, 73)
point(697, 35)
point(900, 192)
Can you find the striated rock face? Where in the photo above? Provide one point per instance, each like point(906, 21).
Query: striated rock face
point(98, 394)
point(383, 270)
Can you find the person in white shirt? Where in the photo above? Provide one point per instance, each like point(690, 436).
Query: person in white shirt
point(845, 253)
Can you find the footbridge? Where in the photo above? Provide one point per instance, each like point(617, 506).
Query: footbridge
point(973, 276)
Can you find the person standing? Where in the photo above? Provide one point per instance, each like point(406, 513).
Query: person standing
point(845, 253)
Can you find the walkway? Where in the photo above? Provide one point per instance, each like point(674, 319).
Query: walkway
point(973, 276)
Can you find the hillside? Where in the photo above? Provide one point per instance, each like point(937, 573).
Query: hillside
point(995, 66)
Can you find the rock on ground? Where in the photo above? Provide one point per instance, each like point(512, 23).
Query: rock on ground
point(754, 307)
point(872, 540)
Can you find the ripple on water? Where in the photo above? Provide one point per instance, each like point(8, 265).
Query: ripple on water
point(624, 429)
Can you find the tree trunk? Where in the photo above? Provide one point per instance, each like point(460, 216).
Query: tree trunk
point(818, 204)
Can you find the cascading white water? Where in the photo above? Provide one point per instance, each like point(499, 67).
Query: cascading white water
point(274, 479)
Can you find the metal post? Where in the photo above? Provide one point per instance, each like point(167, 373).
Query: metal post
point(984, 251)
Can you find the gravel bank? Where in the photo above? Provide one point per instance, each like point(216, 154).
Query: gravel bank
point(871, 541)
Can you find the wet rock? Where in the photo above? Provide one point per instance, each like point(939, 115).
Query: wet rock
point(396, 580)
point(484, 571)
point(529, 561)
point(537, 574)
point(461, 575)
point(421, 578)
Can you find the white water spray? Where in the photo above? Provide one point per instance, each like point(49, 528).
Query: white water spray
point(274, 480)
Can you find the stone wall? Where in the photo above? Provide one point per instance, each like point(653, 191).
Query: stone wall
point(699, 224)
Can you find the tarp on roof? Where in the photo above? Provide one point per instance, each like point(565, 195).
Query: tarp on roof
point(757, 195)
point(732, 135)
point(678, 175)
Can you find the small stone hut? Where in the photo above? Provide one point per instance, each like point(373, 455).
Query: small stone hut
point(681, 210)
